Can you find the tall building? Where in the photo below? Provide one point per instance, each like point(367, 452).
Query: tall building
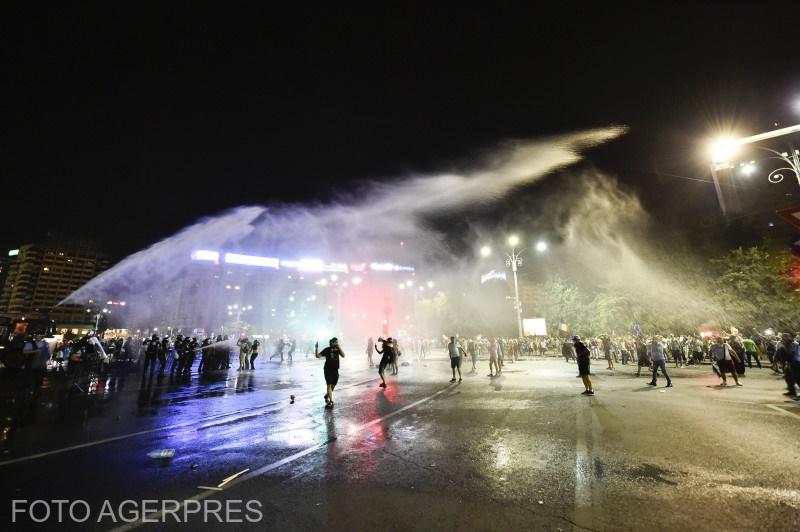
point(39, 276)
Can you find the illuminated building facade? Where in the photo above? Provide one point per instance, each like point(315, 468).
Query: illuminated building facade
point(39, 276)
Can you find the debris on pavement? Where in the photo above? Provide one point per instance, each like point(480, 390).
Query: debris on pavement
point(162, 454)
point(232, 477)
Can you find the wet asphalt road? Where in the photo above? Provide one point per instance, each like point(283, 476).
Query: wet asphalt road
point(520, 452)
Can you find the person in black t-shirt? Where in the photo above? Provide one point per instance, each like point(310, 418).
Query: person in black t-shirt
point(387, 355)
point(583, 356)
point(331, 355)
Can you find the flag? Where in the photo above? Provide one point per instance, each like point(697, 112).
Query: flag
point(493, 275)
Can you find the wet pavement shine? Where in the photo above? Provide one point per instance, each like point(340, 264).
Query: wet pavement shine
point(523, 451)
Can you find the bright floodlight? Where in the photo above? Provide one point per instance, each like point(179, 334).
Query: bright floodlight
point(513, 240)
point(748, 169)
point(430, 284)
point(486, 251)
point(541, 245)
point(409, 282)
point(723, 149)
point(356, 280)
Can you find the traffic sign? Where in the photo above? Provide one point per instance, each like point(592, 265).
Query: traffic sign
point(791, 215)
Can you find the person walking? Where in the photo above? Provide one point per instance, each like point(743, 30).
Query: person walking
point(332, 353)
point(788, 351)
point(751, 352)
point(455, 358)
point(658, 355)
point(278, 349)
point(583, 356)
point(292, 348)
point(722, 353)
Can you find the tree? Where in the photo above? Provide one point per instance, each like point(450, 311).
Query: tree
point(559, 302)
point(754, 288)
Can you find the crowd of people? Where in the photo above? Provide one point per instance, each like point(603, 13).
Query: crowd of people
point(729, 355)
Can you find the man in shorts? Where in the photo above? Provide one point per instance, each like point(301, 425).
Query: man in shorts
point(387, 355)
point(331, 369)
point(723, 354)
point(584, 364)
point(455, 358)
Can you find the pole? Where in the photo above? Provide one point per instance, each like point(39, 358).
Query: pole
point(516, 292)
point(718, 189)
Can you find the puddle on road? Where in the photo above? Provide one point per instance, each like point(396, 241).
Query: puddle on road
point(647, 472)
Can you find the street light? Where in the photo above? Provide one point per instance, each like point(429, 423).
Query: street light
point(486, 251)
point(513, 260)
point(722, 149)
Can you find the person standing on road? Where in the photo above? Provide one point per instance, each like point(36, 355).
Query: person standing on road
point(583, 356)
point(254, 353)
point(606, 342)
point(676, 350)
point(722, 353)
point(370, 347)
point(331, 368)
point(492, 348)
point(151, 354)
point(387, 353)
point(567, 351)
point(472, 349)
point(642, 359)
point(657, 354)
point(789, 352)
point(244, 353)
point(453, 350)
point(751, 352)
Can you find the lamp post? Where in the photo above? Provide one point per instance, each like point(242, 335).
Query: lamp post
point(724, 149)
point(513, 260)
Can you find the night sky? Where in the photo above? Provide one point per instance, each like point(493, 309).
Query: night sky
point(127, 125)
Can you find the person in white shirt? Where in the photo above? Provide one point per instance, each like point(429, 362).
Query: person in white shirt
point(657, 354)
